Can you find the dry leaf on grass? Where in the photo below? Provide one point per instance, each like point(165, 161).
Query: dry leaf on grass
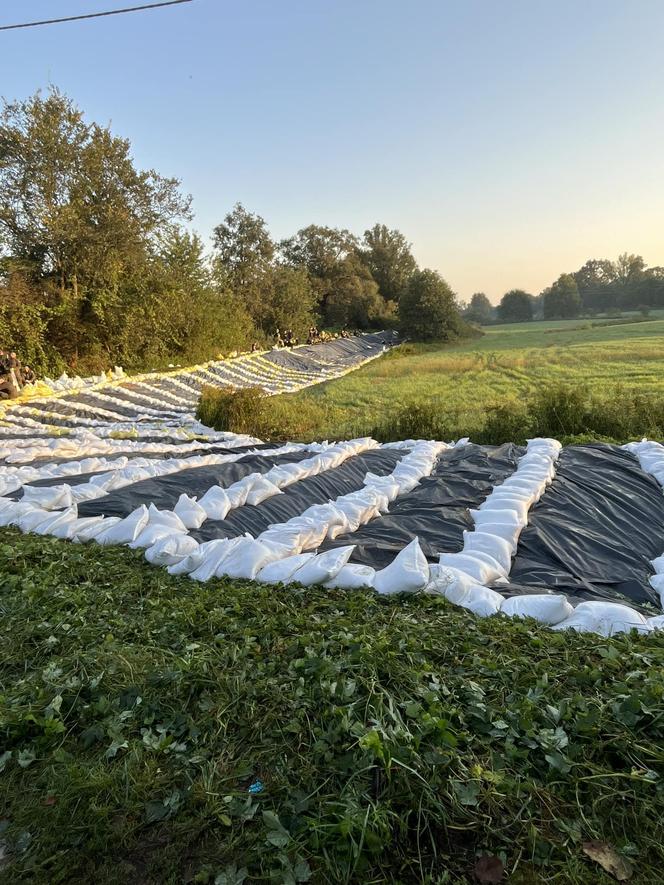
point(609, 859)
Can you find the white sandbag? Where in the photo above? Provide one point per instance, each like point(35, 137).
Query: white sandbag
point(190, 512)
point(191, 561)
point(656, 623)
point(215, 503)
point(285, 474)
point(261, 490)
point(62, 521)
point(322, 567)
point(165, 517)
point(10, 514)
point(356, 513)
point(658, 564)
point(407, 480)
point(496, 547)
point(500, 517)
point(482, 601)
point(171, 549)
point(32, 519)
point(312, 532)
point(480, 566)
point(126, 530)
point(657, 583)
point(213, 555)
point(408, 572)
point(606, 618)
point(547, 608)
point(237, 493)
point(48, 497)
point(281, 570)
point(249, 557)
point(506, 502)
point(151, 534)
point(376, 497)
point(86, 528)
point(386, 484)
point(330, 515)
point(451, 583)
point(292, 538)
point(504, 531)
point(352, 576)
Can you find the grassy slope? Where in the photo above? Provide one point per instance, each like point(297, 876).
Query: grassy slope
point(508, 362)
point(395, 739)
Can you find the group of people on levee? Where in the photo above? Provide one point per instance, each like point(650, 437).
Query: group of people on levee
point(13, 375)
point(314, 336)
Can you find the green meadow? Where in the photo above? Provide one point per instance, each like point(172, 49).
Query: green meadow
point(507, 364)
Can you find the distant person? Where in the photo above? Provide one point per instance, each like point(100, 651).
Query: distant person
point(255, 347)
point(27, 375)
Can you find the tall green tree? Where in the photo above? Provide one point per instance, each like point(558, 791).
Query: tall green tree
point(388, 256)
point(345, 289)
point(427, 309)
point(77, 217)
point(562, 299)
point(595, 281)
point(515, 307)
point(480, 309)
point(242, 259)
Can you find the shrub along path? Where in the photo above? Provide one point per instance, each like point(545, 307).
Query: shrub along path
point(159, 731)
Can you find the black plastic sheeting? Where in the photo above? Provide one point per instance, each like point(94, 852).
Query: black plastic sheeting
point(436, 511)
point(340, 352)
point(593, 532)
point(164, 491)
point(296, 498)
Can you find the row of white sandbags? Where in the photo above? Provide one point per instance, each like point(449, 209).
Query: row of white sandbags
point(64, 382)
point(486, 558)
point(247, 557)
point(38, 502)
point(487, 554)
point(65, 495)
point(149, 405)
point(76, 445)
point(255, 488)
point(651, 459)
point(12, 478)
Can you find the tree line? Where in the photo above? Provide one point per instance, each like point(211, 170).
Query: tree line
point(98, 263)
point(600, 286)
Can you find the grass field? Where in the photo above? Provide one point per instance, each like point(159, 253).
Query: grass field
point(389, 740)
point(508, 363)
point(155, 731)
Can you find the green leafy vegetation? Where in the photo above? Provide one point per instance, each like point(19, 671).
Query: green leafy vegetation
point(248, 410)
point(157, 730)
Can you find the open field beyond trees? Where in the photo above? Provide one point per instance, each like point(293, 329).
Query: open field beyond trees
point(464, 381)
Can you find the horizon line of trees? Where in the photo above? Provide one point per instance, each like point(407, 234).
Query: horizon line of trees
point(98, 266)
point(600, 286)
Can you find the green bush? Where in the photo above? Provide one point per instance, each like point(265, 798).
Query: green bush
point(567, 413)
point(272, 418)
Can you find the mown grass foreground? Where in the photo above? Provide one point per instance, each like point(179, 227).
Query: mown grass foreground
point(156, 730)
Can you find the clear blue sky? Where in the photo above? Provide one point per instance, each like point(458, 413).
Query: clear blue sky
point(509, 140)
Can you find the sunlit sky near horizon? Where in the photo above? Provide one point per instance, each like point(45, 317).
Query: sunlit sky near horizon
point(509, 141)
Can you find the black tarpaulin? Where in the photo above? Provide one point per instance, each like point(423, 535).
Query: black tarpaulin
point(296, 498)
point(595, 529)
point(436, 511)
